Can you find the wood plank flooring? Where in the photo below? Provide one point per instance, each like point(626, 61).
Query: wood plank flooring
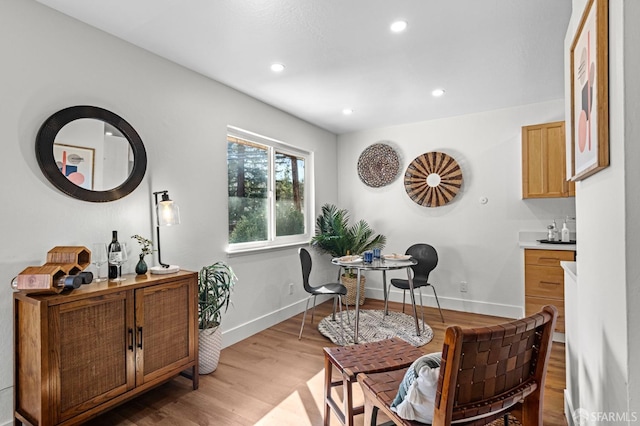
point(272, 378)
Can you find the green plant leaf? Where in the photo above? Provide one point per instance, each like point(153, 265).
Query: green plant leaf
point(215, 284)
point(336, 237)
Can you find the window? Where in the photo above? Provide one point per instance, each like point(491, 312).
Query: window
point(268, 193)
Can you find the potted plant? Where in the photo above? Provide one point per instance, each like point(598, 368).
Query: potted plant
point(146, 247)
point(215, 283)
point(335, 236)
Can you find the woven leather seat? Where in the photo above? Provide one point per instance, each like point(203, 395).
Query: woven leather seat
point(484, 373)
point(389, 354)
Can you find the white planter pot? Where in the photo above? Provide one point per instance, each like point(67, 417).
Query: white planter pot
point(209, 347)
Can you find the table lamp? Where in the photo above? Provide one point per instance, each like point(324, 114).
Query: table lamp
point(167, 214)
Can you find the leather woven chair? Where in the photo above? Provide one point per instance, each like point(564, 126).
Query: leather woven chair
point(484, 372)
point(336, 290)
point(427, 258)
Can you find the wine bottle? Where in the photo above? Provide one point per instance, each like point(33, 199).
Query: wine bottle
point(69, 282)
point(113, 269)
point(86, 276)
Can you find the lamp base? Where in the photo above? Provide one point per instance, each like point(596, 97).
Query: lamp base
point(161, 270)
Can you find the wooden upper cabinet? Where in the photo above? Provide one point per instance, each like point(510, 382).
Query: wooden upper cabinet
point(544, 162)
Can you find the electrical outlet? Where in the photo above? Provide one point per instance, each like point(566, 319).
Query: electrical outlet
point(290, 288)
point(464, 286)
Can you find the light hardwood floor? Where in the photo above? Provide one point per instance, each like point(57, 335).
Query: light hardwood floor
point(272, 378)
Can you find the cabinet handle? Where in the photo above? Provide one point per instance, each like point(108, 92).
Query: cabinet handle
point(131, 343)
point(140, 337)
point(549, 282)
point(554, 259)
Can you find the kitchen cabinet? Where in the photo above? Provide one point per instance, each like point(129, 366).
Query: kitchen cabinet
point(544, 281)
point(544, 162)
point(82, 352)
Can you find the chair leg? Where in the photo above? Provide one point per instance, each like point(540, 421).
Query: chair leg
point(313, 311)
point(404, 294)
point(421, 308)
point(347, 306)
point(344, 342)
point(506, 419)
point(304, 316)
point(333, 312)
point(437, 301)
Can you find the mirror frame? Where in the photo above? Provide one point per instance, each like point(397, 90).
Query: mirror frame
point(46, 161)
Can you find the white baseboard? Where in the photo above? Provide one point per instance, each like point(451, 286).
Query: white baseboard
point(454, 304)
point(241, 332)
point(249, 328)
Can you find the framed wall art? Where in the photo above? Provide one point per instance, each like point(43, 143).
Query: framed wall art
point(590, 92)
point(75, 163)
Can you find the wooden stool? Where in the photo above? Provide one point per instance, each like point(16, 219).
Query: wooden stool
point(367, 358)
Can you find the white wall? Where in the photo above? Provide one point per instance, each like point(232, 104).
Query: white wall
point(476, 243)
point(52, 62)
point(607, 206)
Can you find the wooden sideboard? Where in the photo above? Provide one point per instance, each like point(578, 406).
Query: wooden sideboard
point(82, 352)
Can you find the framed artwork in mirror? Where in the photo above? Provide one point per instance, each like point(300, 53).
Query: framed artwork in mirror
point(75, 163)
point(590, 92)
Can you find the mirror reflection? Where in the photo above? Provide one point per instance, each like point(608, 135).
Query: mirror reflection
point(93, 154)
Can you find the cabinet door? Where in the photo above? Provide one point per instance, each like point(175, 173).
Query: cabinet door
point(543, 162)
point(92, 355)
point(166, 320)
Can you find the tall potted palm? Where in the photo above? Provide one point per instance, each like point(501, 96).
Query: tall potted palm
point(335, 236)
point(215, 283)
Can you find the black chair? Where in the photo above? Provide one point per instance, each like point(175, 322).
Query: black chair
point(427, 258)
point(336, 290)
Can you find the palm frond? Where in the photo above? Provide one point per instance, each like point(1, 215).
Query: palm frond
point(335, 236)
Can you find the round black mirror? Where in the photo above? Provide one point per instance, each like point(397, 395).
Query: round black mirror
point(91, 154)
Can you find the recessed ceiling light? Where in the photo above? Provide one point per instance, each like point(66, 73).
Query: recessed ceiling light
point(277, 67)
point(347, 111)
point(399, 26)
point(438, 92)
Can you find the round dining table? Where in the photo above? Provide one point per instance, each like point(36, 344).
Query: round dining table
point(380, 264)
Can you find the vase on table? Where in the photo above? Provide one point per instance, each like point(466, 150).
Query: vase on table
point(141, 266)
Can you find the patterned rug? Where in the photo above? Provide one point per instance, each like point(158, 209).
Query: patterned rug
point(373, 328)
point(500, 422)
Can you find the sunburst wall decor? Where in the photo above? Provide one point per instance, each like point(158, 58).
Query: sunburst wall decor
point(433, 179)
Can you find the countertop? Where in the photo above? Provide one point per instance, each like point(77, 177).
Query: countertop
point(528, 240)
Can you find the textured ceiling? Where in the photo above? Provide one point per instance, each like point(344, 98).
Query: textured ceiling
point(486, 54)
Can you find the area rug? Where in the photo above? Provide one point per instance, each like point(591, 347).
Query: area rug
point(372, 328)
point(500, 422)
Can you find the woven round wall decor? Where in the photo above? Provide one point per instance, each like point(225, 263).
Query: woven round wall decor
point(378, 165)
point(433, 179)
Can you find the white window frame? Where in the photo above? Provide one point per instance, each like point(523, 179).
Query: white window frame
point(273, 145)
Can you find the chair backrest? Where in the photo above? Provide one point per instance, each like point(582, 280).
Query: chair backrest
point(427, 258)
point(486, 370)
point(305, 262)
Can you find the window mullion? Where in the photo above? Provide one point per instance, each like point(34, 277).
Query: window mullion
point(271, 194)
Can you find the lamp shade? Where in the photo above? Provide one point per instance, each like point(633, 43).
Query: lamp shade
point(168, 212)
